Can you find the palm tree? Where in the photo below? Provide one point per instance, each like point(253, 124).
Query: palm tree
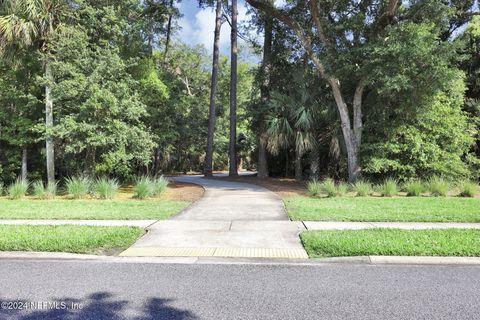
point(30, 24)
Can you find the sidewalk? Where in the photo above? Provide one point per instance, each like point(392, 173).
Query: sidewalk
point(257, 226)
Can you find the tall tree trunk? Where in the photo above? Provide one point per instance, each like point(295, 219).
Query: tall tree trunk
point(169, 31)
point(208, 168)
point(262, 165)
point(90, 157)
point(298, 166)
point(48, 125)
point(314, 164)
point(24, 172)
point(233, 170)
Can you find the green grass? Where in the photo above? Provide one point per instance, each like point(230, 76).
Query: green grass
point(385, 209)
point(392, 242)
point(77, 239)
point(89, 209)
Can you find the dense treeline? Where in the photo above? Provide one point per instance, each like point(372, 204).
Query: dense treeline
point(344, 88)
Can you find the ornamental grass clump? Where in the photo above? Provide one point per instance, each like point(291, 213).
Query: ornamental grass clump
point(78, 187)
point(414, 188)
point(342, 188)
point(159, 186)
point(144, 188)
point(51, 190)
point(328, 187)
point(18, 189)
point(389, 188)
point(314, 188)
point(39, 189)
point(438, 187)
point(468, 189)
point(106, 188)
point(363, 188)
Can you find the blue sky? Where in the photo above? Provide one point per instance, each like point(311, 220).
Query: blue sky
point(197, 25)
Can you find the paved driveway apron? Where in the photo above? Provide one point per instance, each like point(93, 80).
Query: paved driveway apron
point(232, 219)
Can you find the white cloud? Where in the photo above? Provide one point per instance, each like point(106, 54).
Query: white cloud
point(199, 28)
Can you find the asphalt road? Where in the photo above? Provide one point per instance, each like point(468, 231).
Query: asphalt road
point(101, 290)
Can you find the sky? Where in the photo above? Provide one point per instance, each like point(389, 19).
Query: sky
point(198, 25)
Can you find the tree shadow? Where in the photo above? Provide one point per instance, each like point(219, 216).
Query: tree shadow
point(98, 306)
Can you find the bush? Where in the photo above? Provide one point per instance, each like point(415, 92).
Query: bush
point(18, 189)
point(468, 189)
point(144, 187)
point(438, 186)
point(1, 188)
point(414, 188)
point(342, 188)
point(159, 186)
point(106, 188)
point(389, 188)
point(363, 188)
point(328, 187)
point(313, 188)
point(78, 187)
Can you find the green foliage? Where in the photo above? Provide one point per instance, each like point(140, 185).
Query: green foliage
point(1, 188)
point(414, 188)
point(468, 189)
point(144, 188)
point(314, 188)
point(38, 189)
point(363, 188)
point(438, 186)
point(328, 187)
point(78, 187)
point(159, 186)
point(51, 190)
point(18, 189)
point(342, 188)
point(106, 188)
point(389, 188)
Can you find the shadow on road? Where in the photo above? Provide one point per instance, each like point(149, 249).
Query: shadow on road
point(100, 305)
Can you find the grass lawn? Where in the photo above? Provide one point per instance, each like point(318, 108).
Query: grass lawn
point(77, 239)
point(90, 209)
point(392, 242)
point(420, 209)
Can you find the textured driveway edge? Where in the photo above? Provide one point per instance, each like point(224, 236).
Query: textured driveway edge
point(368, 260)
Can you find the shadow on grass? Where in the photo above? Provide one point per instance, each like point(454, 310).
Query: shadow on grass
point(100, 305)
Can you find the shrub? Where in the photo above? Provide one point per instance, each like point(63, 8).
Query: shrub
point(389, 188)
point(313, 188)
point(438, 186)
point(18, 189)
point(106, 188)
point(468, 189)
point(414, 188)
point(78, 187)
point(328, 187)
point(363, 188)
point(342, 188)
point(159, 186)
point(1, 188)
point(144, 187)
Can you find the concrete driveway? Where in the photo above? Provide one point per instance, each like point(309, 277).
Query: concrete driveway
point(232, 219)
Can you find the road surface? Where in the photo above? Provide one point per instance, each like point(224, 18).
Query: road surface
point(107, 290)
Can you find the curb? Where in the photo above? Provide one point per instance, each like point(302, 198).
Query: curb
point(360, 260)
